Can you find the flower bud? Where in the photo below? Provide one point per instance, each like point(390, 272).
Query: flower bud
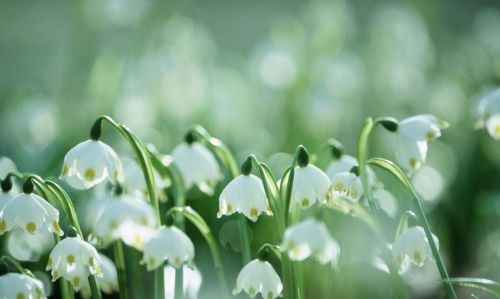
point(391, 124)
point(302, 156)
point(337, 149)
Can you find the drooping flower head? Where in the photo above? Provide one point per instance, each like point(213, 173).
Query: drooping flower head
point(256, 277)
point(135, 184)
point(346, 186)
point(412, 137)
point(244, 194)
point(113, 212)
point(310, 184)
point(30, 213)
point(168, 244)
point(90, 163)
point(310, 238)
point(19, 286)
point(412, 246)
point(197, 165)
point(488, 112)
point(74, 260)
point(29, 247)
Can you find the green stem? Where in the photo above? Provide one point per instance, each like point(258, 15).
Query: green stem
point(159, 283)
point(120, 268)
point(245, 239)
point(16, 264)
point(96, 293)
point(179, 283)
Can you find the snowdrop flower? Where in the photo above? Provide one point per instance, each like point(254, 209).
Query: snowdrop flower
point(259, 276)
point(20, 286)
point(386, 201)
point(168, 244)
point(108, 283)
point(346, 186)
point(412, 246)
point(74, 260)
point(310, 184)
point(197, 165)
point(30, 213)
point(90, 163)
point(135, 235)
point(310, 237)
point(113, 212)
point(135, 184)
point(344, 164)
point(29, 247)
point(489, 114)
point(412, 136)
point(244, 194)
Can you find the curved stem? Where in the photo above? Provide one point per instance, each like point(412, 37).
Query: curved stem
point(202, 226)
point(16, 264)
point(120, 268)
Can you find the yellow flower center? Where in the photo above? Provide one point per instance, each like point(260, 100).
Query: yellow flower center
point(31, 227)
point(270, 295)
point(89, 174)
point(177, 262)
point(339, 186)
point(430, 135)
point(137, 241)
point(3, 226)
point(151, 261)
point(353, 193)
point(304, 202)
point(497, 129)
point(113, 224)
point(413, 162)
point(20, 296)
point(65, 170)
point(70, 259)
point(49, 262)
point(91, 261)
point(417, 256)
point(229, 208)
point(76, 281)
point(251, 291)
point(56, 226)
point(253, 212)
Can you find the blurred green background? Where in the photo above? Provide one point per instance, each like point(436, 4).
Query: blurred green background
point(265, 76)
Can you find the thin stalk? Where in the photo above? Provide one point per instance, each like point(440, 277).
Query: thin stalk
point(120, 268)
point(159, 283)
point(16, 264)
point(245, 239)
point(179, 283)
point(96, 293)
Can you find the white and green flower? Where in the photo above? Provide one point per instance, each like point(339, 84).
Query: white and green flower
point(89, 163)
point(488, 113)
point(412, 246)
point(259, 277)
point(135, 235)
point(244, 194)
point(197, 165)
point(74, 260)
point(108, 282)
point(19, 286)
point(135, 184)
point(30, 213)
point(310, 184)
point(168, 244)
point(310, 238)
point(29, 247)
point(344, 164)
point(346, 186)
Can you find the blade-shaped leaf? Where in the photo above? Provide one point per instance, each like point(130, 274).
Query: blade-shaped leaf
point(490, 286)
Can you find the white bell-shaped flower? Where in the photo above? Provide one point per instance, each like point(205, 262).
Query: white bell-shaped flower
point(168, 244)
point(310, 184)
point(20, 286)
point(135, 235)
point(259, 277)
point(29, 247)
point(113, 212)
point(108, 283)
point(412, 137)
point(74, 260)
point(244, 194)
point(310, 238)
point(89, 163)
point(5, 197)
point(135, 184)
point(197, 165)
point(412, 246)
point(346, 186)
point(344, 164)
point(30, 213)
point(488, 113)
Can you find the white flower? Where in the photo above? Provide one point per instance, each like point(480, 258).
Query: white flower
point(386, 201)
point(197, 166)
point(412, 246)
point(412, 137)
point(5, 197)
point(134, 234)
point(310, 184)
point(310, 238)
point(90, 163)
point(74, 260)
point(19, 286)
point(191, 278)
point(346, 186)
point(344, 164)
point(244, 194)
point(259, 277)
point(170, 244)
point(29, 247)
point(488, 112)
point(108, 283)
point(30, 213)
point(113, 212)
point(135, 183)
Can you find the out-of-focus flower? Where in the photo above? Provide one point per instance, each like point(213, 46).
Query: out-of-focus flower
point(412, 136)
point(386, 201)
point(89, 163)
point(412, 246)
point(258, 277)
point(344, 164)
point(197, 165)
point(310, 238)
point(192, 280)
point(488, 113)
point(29, 212)
point(170, 244)
point(113, 212)
point(244, 194)
point(74, 260)
point(29, 247)
point(136, 185)
point(108, 283)
point(134, 234)
point(16, 285)
point(346, 186)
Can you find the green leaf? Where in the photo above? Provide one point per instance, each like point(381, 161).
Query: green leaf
point(390, 167)
point(487, 285)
